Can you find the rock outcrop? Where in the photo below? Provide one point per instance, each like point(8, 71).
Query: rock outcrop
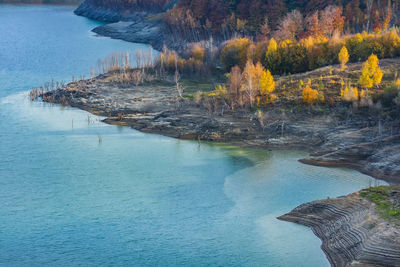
point(378, 158)
point(112, 13)
point(138, 30)
point(351, 230)
point(141, 25)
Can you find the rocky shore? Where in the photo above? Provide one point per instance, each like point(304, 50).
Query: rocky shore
point(140, 26)
point(137, 30)
point(378, 158)
point(109, 15)
point(156, 108)
point(352, 231)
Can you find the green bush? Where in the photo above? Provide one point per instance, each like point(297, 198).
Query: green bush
point(389, 94)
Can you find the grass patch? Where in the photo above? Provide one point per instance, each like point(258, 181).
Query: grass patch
point(385, 199)
point(193, 85)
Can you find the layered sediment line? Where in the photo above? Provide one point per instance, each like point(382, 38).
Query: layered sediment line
point(138, 30)
point(378, 158)
point(134, 26)
point(352, 233)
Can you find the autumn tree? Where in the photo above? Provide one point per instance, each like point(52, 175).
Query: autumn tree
point(270, 55)
point(235, 53)
point(235, 80)
point(310, 96)
point(251, 75)
point(332, 20)
point(313, 26)
point(388, 16)
point(257, 83)
point(290, 27)
point(343, 57)
point(371, 73)
point(197, 52)
point(267, 83)
point(349, 94)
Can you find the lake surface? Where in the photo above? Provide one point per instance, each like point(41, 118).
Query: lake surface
point(133, 199)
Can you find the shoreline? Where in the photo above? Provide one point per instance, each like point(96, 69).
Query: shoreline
point(136, 28)
point(154, 108)
point(351, 230)
point(332, 220)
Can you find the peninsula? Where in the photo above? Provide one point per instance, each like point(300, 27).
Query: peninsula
point(325, 81)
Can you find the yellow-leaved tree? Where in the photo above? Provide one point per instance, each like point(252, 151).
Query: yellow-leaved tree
point(371, 73)
point(310, 96)
point(257, 82)
point(343, 57)
point(251, 80)
point(267, 83)
point(272, 46)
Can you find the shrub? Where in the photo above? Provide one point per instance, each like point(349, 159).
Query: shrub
point(310, 96)
point(349, 94)
point(197, 52)
point(234, 53)
point(389, 95)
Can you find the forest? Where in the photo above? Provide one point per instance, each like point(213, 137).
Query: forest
point(218, 18)
point(250, 49)
point(222, 19)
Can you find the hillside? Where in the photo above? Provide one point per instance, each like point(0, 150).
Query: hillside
point(226, 18)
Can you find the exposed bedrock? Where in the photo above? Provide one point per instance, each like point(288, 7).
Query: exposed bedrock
point(379, 158)
point(352, 233)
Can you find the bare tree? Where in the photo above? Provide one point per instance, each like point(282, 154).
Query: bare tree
point(177, 78)
point(290, 27)
point(369, 10)
point(235, 83)
point(261, 119)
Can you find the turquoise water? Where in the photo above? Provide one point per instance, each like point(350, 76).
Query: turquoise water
point(133, 199)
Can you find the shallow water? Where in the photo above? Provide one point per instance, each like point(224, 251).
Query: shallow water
point(133, 198)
